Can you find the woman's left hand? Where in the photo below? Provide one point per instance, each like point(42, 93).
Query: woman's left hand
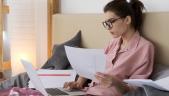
point(106, 80)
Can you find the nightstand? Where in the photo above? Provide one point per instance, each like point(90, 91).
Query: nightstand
point(1, 77)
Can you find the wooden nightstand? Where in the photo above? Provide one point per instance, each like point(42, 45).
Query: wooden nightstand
point(1, 77)
point(6, 66)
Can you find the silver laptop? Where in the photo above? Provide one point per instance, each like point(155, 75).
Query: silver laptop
point(39, 85)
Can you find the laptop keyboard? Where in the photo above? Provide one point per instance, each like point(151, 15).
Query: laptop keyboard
point(55, 91)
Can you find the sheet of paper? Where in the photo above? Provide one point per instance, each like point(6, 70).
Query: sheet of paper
point(163, 82)
point(141, 82)
point(86, 62)
point(55, 78)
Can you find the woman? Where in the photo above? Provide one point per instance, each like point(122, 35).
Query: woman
point(128, 55)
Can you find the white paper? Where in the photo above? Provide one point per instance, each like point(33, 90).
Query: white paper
point(161, 84)
point(34, 77)
point(164, 82)
point(54, 78)
point(86, 62)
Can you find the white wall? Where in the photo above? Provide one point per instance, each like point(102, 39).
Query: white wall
point(41, 25)
point(82, 6)
point(27, 28)
point(156, 5)
point(96, 6)
point(21, 29)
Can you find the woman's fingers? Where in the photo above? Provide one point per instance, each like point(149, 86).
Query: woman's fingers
point(100, 79)
point(100, 76)
point(72, 85)
point(68, 85)
point(104, 79)
point(77, 85)
point(65, 85)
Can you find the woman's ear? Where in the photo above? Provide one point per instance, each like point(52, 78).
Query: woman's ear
point(128, 20)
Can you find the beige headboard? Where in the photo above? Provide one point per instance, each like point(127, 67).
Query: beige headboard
point(156, 29)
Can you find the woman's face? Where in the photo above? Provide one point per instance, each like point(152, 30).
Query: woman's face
point(116, 25)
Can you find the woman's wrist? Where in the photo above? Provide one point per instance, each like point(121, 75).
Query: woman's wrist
point(122, 87)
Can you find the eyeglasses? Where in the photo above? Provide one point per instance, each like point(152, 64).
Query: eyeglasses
point(108, 24)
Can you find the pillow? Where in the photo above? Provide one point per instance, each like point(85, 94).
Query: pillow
point(59, 60)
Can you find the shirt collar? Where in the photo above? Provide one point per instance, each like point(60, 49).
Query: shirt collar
point(133, 42)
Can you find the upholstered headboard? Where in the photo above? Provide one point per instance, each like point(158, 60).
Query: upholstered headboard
point(156, 29)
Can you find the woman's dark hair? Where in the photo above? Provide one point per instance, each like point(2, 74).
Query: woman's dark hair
point(124, 8)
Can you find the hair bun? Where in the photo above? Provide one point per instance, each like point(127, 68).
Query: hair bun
point(137, 4)
point(134, 1)
point(120, 0)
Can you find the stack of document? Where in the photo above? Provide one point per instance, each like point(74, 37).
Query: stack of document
point(54, 78)
point(161, 84)
point(86, 62)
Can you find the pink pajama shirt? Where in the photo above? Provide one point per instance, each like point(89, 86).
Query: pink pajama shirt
point(135, 61)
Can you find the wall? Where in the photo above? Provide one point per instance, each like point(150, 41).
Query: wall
point(1, 30)
point(96, 6)
point(27, 28)
point(41, 25)
point(156, 5)
point(6, 44)
point(22, 37)
point(82, 6)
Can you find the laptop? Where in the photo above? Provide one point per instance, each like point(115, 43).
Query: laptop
point(40, 87)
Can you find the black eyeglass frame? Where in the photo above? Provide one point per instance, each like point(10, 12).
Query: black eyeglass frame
point(108, 24)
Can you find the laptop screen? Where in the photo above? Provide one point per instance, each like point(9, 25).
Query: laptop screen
point(34, 77)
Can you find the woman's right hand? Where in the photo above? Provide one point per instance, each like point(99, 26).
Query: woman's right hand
point(73, 85)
